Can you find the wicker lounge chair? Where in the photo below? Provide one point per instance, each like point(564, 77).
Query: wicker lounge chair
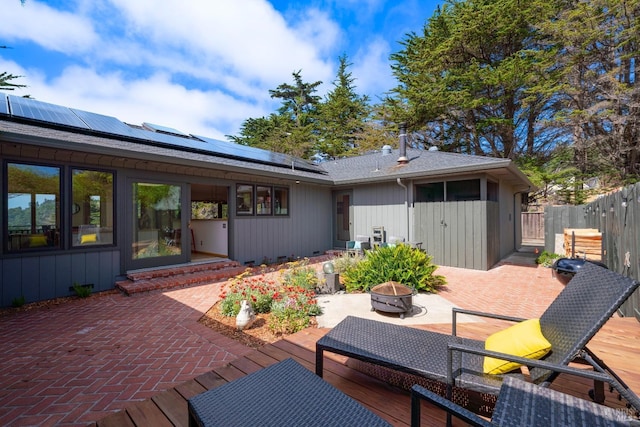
point(523, 404)
point(453, 366)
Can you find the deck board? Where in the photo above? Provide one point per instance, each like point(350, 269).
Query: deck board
point(148, 413)
point(617, 343)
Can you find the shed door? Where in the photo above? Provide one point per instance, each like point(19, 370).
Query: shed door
point(456, 233)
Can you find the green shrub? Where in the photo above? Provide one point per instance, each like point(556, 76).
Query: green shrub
point(346, 262)
point(82, 291)
point(547, 259)
point(299, 273)
point(18, 301)
point(286, 318)
point(401, 263)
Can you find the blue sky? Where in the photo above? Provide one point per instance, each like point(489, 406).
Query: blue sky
point(200, 66)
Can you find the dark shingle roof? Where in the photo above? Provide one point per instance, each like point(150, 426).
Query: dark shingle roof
point(377, 167)
point(369, 168)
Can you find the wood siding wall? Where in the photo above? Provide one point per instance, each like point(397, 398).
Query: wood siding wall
point(380, 205)
point(460, 234)
point(532, 225)
point(620, 228)
point(44, 277)
point(305, 232)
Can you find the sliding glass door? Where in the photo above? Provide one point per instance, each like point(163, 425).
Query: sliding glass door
point(156, 225)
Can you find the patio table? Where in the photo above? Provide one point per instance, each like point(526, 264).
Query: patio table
point(284, 394)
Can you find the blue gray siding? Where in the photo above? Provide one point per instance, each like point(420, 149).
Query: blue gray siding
point(44, 277)
point(305, 232)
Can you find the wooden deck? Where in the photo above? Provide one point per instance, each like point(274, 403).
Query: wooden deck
point(617, 343)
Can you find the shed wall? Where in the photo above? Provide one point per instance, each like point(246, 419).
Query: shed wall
point(380, 205)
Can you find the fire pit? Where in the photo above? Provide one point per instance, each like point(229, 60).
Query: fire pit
point(392, 297)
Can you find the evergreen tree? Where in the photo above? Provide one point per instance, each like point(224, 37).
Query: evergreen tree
point(466, 81)
point(342, 116)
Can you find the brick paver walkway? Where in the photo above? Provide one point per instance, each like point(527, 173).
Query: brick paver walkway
point(74, 363)
point(77, 362)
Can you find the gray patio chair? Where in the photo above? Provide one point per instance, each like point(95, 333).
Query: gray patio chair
point(359, 245)
point(453, 366)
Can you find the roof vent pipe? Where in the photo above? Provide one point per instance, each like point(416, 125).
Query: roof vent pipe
point(403, 144)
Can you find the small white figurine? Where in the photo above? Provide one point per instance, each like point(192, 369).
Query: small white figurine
point(246, 316)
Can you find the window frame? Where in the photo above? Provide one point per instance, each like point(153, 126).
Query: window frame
point(56, 238)
point(277, 208)
point(264, 207)
point(71, 208)
point(252, 197)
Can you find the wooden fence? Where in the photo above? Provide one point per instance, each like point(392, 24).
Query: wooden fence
point(617, 217)
point(532, 225)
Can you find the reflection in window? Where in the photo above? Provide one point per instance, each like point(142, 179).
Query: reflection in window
point(33, 207)
point(281, 202)
point(156, 220)
point(468, 189)
point(263, 200)
point(433, 192)
point(244, 199)
point(92, 207)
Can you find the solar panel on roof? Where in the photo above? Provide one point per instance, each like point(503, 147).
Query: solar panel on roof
point(160, 136)
point(4, 108)
point(165, 129)
point(258, 155)
point(102, 123)
point(36, 110)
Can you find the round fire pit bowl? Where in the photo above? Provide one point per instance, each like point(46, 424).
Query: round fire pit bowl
point(392, 297)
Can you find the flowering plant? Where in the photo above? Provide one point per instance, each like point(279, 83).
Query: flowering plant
point(291, 306)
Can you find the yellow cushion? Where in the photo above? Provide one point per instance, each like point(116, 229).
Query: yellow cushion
point(88, 238)
point(35, 241)
point(523, 339)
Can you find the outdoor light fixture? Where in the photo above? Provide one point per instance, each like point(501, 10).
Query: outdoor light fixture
point(624, 202)
point(611, 209)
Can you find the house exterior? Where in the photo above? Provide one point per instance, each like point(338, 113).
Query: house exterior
point(88, 198)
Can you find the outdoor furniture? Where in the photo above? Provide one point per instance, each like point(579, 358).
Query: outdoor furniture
point(359, 245)
point(453, 366)
point(378, 235)
point(523, 404)
point(284, 394)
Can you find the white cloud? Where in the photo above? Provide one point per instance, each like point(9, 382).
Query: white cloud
point(248, 39)
point(372, 69)
point(199, 66)
point(35, 22)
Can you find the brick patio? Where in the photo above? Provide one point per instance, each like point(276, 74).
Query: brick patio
point(74, 363)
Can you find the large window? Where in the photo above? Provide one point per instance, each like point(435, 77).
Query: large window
point(468, 189)
point(244, 199)
point(452, 191)
point(33, 207)
point(281, 200)
point(157, 219)
point(261, 199)
point(433, 192)
point(92, 207)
